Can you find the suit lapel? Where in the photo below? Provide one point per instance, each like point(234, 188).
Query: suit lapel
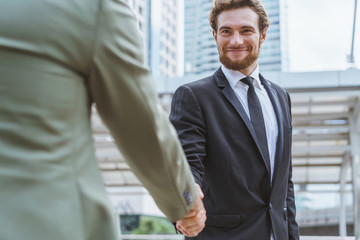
point(279, 117)
point(232, 98)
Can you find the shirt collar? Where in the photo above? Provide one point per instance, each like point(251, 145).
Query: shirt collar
point(233, 76)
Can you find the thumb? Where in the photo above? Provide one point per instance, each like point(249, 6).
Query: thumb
point(201, 194)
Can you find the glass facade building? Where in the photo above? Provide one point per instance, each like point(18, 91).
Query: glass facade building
point(158, 24)
point(200, 52)
point(142, 12)
point(164, 35)
point(274, 51)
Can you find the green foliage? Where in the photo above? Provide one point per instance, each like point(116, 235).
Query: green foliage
point(129, 222)
point(154, 225)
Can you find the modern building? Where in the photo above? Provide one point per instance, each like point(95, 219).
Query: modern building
point(164, 37)
point(200, 51)
point(274, 51)
point(141, 9)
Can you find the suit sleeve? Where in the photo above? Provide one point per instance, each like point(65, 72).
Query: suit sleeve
point(123, 91)
point(187, 117)
point(290, 200)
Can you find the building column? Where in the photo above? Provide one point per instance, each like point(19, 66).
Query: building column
point(342, 221)
point(355, 163)
point(356, 193)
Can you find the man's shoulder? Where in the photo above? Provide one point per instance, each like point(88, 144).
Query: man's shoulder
point(275, 86)
point(203, 82)
point(201, 85)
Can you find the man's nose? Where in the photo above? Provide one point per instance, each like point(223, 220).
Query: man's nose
point(237, 39)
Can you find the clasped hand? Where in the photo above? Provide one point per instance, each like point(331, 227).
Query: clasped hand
point(194, 221)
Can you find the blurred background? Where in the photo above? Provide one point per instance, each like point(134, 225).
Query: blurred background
point(313, 50)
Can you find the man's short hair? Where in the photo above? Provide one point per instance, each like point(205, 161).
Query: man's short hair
point(221, 5)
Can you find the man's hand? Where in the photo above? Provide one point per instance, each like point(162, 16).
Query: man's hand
point(194, 221)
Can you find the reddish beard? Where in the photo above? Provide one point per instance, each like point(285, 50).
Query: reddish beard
point(238, 65)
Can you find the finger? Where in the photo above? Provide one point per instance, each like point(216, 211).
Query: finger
point(194, 229)
point(191, 232)
point(199, 191)
point(202, 215)
point(193, 224)
point(183, 230)
point(190, 214)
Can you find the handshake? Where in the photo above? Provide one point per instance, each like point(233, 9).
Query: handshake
point(194, 221)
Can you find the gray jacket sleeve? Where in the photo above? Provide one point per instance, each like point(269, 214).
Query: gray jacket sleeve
point(123, 91)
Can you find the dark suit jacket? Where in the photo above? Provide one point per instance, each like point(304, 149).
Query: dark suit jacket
point(224, 155)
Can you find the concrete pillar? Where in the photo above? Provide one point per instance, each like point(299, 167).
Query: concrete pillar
point(342, 221)
point(356, 192)
point(355, 163)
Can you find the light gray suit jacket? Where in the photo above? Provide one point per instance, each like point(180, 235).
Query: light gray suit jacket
point(56, 59)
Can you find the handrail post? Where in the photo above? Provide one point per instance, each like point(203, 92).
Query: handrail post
point(342, 221)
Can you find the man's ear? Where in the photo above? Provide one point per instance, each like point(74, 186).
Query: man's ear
point(263, 35)
point(214, 34)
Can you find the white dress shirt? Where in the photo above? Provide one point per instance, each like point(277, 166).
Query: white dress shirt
point(267, 108)
point(240, 90)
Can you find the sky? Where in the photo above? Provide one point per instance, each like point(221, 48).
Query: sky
point(320, 33)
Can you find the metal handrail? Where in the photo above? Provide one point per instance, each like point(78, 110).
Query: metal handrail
point(170, 237)
point(149, 237)
point(325, 238)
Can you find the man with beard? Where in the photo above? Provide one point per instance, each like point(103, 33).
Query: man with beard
point(235, 128)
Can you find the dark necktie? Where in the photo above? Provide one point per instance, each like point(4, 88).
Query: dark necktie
point(257, 118)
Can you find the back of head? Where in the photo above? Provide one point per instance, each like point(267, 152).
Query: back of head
point(218, 6)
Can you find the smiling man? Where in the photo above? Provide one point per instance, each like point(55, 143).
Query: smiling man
point(235, 128)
